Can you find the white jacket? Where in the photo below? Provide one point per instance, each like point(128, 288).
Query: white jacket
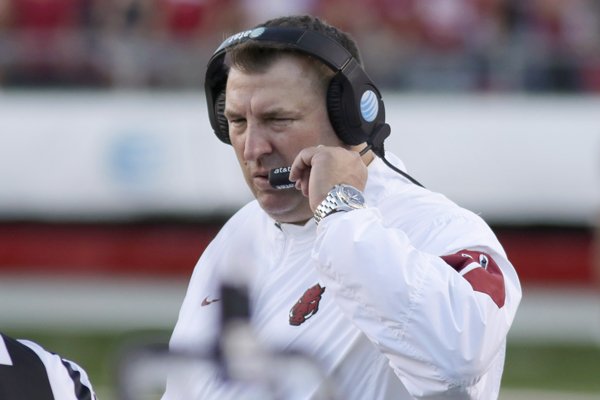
point(393, 320)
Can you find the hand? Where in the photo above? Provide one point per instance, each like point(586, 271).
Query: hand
point(317, 169)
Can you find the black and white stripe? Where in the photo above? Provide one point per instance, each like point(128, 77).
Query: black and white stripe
point(29, 372)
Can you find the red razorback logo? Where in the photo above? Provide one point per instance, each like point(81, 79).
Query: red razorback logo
point(307, 306)
point(481, 271)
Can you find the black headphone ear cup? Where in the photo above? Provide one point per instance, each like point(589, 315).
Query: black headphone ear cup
point(340, 113)
point(222, 124)
point(335, 109)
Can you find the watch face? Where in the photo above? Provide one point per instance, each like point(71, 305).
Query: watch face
point(352, 196)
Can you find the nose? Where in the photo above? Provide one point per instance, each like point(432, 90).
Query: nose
point(256, 143)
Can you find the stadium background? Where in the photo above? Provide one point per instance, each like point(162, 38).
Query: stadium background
point(111, 183)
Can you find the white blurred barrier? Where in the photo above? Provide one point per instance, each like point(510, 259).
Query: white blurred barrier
point(514, 159)
point(109, 306)
point(559, 315)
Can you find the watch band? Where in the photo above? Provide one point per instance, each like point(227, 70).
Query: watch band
point(340, 198)
point(326, 207)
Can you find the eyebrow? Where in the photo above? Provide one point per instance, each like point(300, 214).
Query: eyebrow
point(231, 114)
point(278, 111)
point(274, 112)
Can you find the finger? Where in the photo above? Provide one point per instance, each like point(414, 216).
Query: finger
point(302, 163)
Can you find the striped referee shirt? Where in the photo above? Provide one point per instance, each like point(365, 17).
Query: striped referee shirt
point(29, 372)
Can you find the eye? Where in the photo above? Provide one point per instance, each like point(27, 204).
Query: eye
point(281, 121)
point(236, 121)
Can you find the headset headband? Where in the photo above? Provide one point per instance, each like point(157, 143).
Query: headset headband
point(310, 42)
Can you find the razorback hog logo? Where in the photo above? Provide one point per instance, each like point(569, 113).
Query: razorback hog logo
point(307, 306)
point(481, 271)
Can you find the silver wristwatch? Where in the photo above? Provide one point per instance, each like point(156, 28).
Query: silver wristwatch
point(340, 198)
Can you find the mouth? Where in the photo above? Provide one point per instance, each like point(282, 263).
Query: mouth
point(263, 174)
point(260, 173)
point(261, 180)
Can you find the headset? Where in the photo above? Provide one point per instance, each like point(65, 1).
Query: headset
point(354, 104)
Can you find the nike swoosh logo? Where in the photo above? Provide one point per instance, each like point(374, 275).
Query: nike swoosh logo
point(206, 301)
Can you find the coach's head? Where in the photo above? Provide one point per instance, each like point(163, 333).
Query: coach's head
point(288, 86)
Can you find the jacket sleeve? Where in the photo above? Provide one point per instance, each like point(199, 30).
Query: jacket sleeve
point(440, 330)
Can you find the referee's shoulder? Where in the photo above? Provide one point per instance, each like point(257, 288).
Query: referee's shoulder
point(28, 371)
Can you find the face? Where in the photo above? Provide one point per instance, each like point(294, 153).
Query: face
point(273, 115)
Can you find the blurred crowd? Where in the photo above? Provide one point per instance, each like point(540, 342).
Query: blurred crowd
point(414, 45)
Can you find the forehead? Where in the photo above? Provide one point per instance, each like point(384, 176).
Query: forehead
point(294, 63)
point(289, 76)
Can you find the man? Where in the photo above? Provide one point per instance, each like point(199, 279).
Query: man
point(394, 291)
point(29, 372)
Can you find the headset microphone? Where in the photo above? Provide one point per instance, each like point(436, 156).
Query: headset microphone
point(279, 178)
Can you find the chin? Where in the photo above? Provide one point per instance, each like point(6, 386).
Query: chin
point(285, 207)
